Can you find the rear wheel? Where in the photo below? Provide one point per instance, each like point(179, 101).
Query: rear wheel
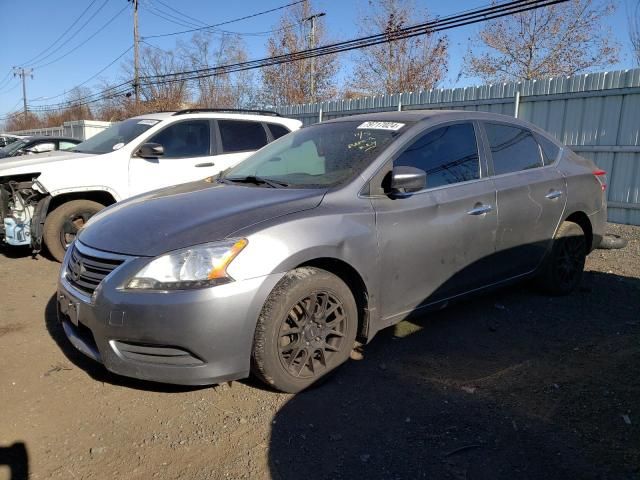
point(306, 329)
point(562, 271)
point(62, 224)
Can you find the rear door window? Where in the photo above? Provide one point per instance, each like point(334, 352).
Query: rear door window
point(448, 154)
point(191, 138)
point(513, 149)
point(241, 136)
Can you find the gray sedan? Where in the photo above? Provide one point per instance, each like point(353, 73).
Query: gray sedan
point(325, 236)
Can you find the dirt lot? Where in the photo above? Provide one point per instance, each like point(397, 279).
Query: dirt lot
point(509, 385)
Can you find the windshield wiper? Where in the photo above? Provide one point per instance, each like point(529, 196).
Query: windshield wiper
point(257, 181)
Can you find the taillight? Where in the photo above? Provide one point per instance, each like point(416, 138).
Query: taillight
point(601, 177)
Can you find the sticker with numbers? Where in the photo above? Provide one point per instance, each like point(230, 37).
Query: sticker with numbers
point(393, 126)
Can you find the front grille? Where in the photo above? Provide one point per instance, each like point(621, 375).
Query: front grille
point(85, 272)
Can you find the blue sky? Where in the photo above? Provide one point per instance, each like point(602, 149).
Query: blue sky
point(29, 27)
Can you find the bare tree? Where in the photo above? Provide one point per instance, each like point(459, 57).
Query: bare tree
point(19, 121)
point(400, 65)
point(558, 40)
point(229, 90)
point(634, 29)
point(292, 82)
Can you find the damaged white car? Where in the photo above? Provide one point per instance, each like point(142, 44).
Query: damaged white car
point(48, 198)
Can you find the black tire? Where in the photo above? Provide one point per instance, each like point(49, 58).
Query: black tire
point(562, 271)
point(612, 242)
point(298, 341)
point(63, 223)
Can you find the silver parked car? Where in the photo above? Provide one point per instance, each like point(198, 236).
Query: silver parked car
point(328, 234)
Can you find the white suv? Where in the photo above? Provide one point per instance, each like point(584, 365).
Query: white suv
point(51, 197)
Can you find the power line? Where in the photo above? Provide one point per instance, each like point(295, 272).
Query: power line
point(228, 21)
point(445, 23)
point(182, 14)
point(92, 76)
point(51, 45)
point(84, 42)
point(59, 47)
point(452, 21)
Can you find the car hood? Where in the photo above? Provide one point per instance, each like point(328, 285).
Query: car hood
point(38, 159)
point(189, 214)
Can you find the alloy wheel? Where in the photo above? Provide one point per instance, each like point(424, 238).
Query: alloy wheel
point(312, 334)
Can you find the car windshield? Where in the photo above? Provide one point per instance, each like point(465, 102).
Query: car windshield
point(318, 156)
point(13, 147)
point(115, 137)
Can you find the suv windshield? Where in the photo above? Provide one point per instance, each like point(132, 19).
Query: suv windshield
point(317, 156)
point(115, 137)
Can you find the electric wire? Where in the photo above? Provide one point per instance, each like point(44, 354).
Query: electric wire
point(452, 21)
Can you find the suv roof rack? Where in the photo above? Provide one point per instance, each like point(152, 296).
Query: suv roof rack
point(227, 110)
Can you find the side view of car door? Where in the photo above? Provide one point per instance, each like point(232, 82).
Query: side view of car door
point(188, 156)
point(439, 242)
point(531, 198)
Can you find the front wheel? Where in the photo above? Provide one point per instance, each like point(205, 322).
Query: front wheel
point(62, 224)
point(307, 328)
point(562, 271)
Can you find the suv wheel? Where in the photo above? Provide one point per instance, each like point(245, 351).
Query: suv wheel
point(306, 329)
point(562, 271)
point(63, 223)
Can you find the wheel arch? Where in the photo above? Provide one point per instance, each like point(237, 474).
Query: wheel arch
point(352, 278)
point(101, 196)
point(583, 221)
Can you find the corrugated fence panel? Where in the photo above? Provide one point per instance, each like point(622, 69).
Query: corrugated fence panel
point(596, 114)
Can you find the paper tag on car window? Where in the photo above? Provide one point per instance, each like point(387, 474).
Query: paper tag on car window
point(117, 146)
point(393, 126)
point(148, 122)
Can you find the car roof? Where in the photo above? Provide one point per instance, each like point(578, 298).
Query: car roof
point(419, 115)
point(46, 137)
point(439, 116)
point(290, 123)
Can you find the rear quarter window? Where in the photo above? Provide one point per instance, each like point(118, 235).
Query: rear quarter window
point(277, 131)
point(550, 150)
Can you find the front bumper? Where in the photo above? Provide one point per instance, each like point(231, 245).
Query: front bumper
point(191, 337)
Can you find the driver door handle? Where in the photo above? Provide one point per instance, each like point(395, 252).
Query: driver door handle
point(208, 164)
point(480, 209)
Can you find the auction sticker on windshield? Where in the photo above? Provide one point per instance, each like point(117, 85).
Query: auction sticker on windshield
point(148, 122)
point(393, 126)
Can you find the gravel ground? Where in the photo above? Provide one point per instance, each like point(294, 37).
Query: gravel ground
point(512, 384)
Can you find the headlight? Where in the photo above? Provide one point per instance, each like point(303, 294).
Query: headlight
point(195, 267)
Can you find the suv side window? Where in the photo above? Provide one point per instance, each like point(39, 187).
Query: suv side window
point(513, 149)
point(66, 145)
point(448, 154)
point(191, 138)
point(240, 136)
point(277, 131)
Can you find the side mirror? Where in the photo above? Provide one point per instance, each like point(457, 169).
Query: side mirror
point(407, 179)
point(150, 150)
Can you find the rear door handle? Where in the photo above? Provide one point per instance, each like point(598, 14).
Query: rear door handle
point(480, 209)
point(208, 164)
point(553, 194)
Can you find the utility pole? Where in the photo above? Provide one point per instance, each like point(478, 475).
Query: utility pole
point(136, 54)
point(312, 44)
point(23, 73)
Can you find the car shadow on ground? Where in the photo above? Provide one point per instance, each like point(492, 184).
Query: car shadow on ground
point(93, 368)
point(513, 384)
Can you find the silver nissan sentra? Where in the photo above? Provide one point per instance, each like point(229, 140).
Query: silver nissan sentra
point(325, 236)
